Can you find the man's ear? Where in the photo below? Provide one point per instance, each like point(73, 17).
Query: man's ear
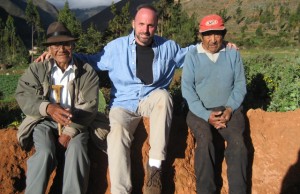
point(200, 36)
point(132, 24)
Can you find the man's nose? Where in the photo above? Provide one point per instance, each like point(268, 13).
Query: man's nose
point(145, 29)
point(212, 38)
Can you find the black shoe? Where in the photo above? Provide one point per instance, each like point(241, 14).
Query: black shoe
point(153, 180)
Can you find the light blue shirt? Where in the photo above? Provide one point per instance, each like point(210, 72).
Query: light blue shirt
point(119, 58)
point(207, 84)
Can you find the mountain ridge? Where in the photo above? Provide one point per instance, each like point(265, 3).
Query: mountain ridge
point(16, 8)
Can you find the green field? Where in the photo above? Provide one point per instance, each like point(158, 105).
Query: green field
point(8, 86)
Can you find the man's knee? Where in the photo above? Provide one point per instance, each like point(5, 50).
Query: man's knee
point(79, 142)
point(77, 148)
point(200, 129)
point(163, 96)
point(119, 136)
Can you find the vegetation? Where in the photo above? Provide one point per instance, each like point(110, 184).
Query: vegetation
point(273, 76)
point(172, 19)
point(9, 110)
point(12, 49)
point(33, 18)
point(269, 26)
point(273, 80)
point(68, 18)
point(8, 86)
point(119, 25)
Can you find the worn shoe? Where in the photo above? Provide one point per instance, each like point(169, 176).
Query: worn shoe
point(153, 181)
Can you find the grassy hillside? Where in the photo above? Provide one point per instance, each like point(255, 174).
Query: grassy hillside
point(248, 19)
point(248, 7)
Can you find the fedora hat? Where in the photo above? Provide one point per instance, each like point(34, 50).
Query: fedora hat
point(57, 32)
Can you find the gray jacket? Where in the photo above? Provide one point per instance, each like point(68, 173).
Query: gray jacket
point(33, 91)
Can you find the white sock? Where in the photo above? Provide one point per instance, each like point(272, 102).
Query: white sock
point(154, 162)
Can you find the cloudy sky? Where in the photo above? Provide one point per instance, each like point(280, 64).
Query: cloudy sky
point(82, 3)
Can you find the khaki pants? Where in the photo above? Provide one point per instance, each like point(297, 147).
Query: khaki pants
point(158, 107)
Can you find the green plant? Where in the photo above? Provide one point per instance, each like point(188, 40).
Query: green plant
point(8, 86)
point(272, 82)
point(102, 106)
point(9, 113)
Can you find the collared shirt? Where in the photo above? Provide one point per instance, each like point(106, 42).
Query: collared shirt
point(119, 58)
point(62, 78)
point(212, 56)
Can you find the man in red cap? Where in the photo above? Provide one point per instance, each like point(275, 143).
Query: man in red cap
point(214, 86)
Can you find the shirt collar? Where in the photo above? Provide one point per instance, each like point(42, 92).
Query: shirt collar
point(71, 66)
point(132, 39)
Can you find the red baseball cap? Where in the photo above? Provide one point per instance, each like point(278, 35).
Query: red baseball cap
point(211, 22)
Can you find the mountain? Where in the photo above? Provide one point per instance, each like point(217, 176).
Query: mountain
point(84, 14)
point(16, 8)
point(102, 19)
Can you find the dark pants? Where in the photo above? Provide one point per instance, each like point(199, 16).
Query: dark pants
point(235, 153)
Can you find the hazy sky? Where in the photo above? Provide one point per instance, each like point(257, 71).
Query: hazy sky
point(82, 3)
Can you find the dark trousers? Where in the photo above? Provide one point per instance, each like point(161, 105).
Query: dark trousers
point(235, 153)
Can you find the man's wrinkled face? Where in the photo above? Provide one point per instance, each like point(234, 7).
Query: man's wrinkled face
point(144, 25)
point(212, 40)
point(62, 52)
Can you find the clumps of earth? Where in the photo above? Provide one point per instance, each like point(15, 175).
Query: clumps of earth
point(272, 139)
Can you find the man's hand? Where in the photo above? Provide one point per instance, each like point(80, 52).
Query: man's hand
point(227, 114)
point(216, 120)
point(231, 45)
point(64, 140)
point(42, 57)
point(219, 119)
point(59, 114)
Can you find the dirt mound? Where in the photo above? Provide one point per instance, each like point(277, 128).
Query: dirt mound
point(272, 140)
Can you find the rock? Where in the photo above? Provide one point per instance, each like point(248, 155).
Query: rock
point(3, 66)
point(272, 139)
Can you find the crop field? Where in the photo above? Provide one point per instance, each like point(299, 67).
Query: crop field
point(8, 85)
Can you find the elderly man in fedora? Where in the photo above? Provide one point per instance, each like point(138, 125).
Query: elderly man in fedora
point(44, 115)
point(214, 86)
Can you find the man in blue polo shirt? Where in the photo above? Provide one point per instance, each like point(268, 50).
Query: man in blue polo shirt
point(214, 86)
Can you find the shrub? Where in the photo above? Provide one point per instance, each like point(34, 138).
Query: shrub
point(272, 83)
point(8, 86)
point(9, 113)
